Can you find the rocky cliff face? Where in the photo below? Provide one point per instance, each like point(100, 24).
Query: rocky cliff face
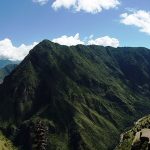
point(86, 94)
point(138, 137)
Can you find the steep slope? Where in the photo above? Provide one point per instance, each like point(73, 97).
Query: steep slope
point(6, 70)
point(86, 95)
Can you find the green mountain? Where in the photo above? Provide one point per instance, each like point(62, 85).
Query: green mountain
point(74, 98)
point(6, 70)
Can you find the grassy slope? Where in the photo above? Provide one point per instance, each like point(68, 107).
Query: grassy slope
point(6, 144)
point(89, 93)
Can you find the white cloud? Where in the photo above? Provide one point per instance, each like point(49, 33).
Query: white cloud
point(75, 40)
point(8, 51)
point(140, 19)
point(104, 41)
point(63, 3)
point(41, 2)
point(89, 6)
point(68, 40)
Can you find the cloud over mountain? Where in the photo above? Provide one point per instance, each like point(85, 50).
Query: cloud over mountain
point(75, 40)
point(13, 53)
point(9, 51)
point(104, 41)
point(89, 6)
point(140, 19)
point(68, 40)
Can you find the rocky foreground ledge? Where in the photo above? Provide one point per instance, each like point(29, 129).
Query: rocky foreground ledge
point(138, 137)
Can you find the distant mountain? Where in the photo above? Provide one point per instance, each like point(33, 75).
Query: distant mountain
point(3, 63)
point(6, 71)
point(74, 98)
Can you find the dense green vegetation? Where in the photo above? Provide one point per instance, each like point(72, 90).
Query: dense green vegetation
point(86, 94)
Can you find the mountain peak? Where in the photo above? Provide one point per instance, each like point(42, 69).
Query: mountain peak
point(78, 90)
point(46, 41)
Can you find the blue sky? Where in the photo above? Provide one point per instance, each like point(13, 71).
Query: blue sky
point(25, 21)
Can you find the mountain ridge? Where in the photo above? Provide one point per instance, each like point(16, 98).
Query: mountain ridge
point(87, 94)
